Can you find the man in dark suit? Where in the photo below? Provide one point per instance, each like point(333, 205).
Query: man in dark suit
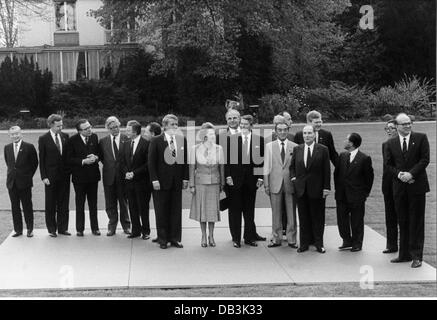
point(168, 168)
point(113, 182)
point(322, 136)
point(55, 175)
point(391, 220)
point(82, 152)
point(22, 161)
point(136, 176)
point(244, 175)
point(407, 157)
point(353, 177)
point(233, 119)
point(311, 173)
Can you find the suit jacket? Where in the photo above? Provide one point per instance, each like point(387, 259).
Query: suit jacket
point(52, 165)
point(111, 167)
point(162, 166)
point(325, 138)
point(136, 163)
point(415, 162)
point(387, 177)
point(76, 151)
point(276, 172)
point(316, 177)
point(22, 170)
point(241, 173)
point(353, 182)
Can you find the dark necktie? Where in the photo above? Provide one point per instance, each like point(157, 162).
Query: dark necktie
point(114, 145)
point(86, 140)
point(404, 146)
point(172, 148)
point(132, 149)
point(58, 145)
point(308, 157)
point(348, 160)
point(282, 151)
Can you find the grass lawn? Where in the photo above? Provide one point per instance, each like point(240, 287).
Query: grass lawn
point(373, 136)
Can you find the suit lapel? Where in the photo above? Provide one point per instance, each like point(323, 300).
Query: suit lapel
point(288, 152)
point(276, 150)
point(315, 151)
point(411, 145)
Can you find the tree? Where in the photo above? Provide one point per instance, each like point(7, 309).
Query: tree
point(10, 13)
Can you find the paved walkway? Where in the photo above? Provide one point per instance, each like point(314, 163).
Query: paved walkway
point(102, 262)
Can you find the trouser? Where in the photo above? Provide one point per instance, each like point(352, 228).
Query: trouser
point(86, 191)
point(311, 219)
point(168, 206)
point(138, 207)
point(350, 221)
point(57, 200)
point(242, 203)
point(116, 205)
point(23, 196)
point(391, 222)
point(277, 201)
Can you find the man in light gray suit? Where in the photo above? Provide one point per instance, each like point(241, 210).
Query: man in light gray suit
point(278, 186)
point(113, 183)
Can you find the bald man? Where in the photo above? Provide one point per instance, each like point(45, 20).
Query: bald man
point(22, 161)
point(406, 158)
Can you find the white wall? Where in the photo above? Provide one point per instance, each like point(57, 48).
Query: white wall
point(37, 31)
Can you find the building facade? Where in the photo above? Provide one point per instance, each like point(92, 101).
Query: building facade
point(66, 39)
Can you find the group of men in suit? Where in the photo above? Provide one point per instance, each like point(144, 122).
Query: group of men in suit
point(295, 171)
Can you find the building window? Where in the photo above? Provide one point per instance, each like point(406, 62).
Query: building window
point(65, 15)
point(121, 31)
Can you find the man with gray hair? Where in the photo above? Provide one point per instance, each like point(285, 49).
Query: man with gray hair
point(55, 175)
point(21, 160)
point(113, 182)
point(406, 158)
point(168, 167)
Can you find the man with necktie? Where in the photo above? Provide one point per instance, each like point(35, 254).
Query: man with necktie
point(278, 186)
point(55, 175)
point(310, 172)
point(243, 173)
point(407, 157)
point(135, 173)
point(22, 161)
point(113, 182)
point(82, 152)
point(168, 167)
point(353, 177)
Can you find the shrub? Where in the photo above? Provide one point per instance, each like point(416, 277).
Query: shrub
point(273, 104)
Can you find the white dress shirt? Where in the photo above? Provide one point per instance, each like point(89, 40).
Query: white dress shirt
point(249, 137)
point(117, 142)
point(136, 141)
point(305, 152)
point(16, 148)
point(353, 154)
point(401, 139)
point(234, 131)
point(168, 137)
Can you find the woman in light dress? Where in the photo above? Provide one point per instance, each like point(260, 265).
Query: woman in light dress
point(206, 181)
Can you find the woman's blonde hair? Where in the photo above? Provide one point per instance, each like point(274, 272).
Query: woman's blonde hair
point(204, 130)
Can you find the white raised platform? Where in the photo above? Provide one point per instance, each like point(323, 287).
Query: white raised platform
point(64, 262)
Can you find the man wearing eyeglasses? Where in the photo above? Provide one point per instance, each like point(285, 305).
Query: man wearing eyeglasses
point(82, 156)
point(407, 157)
point(391, 220)
point(113, 182)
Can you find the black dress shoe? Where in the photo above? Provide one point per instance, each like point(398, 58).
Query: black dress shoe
point(155, 240)
point(163, 246)
point(302, 249)
point(292, 245)
point(320, 249)
point(96, 232)
point(345, 245)
point(145, 237)
point(17, 234)
point(236, 244)
point(416, 264)
point(65, 233)
point(79, 234)
point(132, 236)
point(273, 245)
point(177, 244)
point(251, 243)
point(399, 260)
point(126, 231)
point(390, 251)
point(29, 233)
point(356, 249)
point(259, 238)
point(110, 233)
point(53, 234)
